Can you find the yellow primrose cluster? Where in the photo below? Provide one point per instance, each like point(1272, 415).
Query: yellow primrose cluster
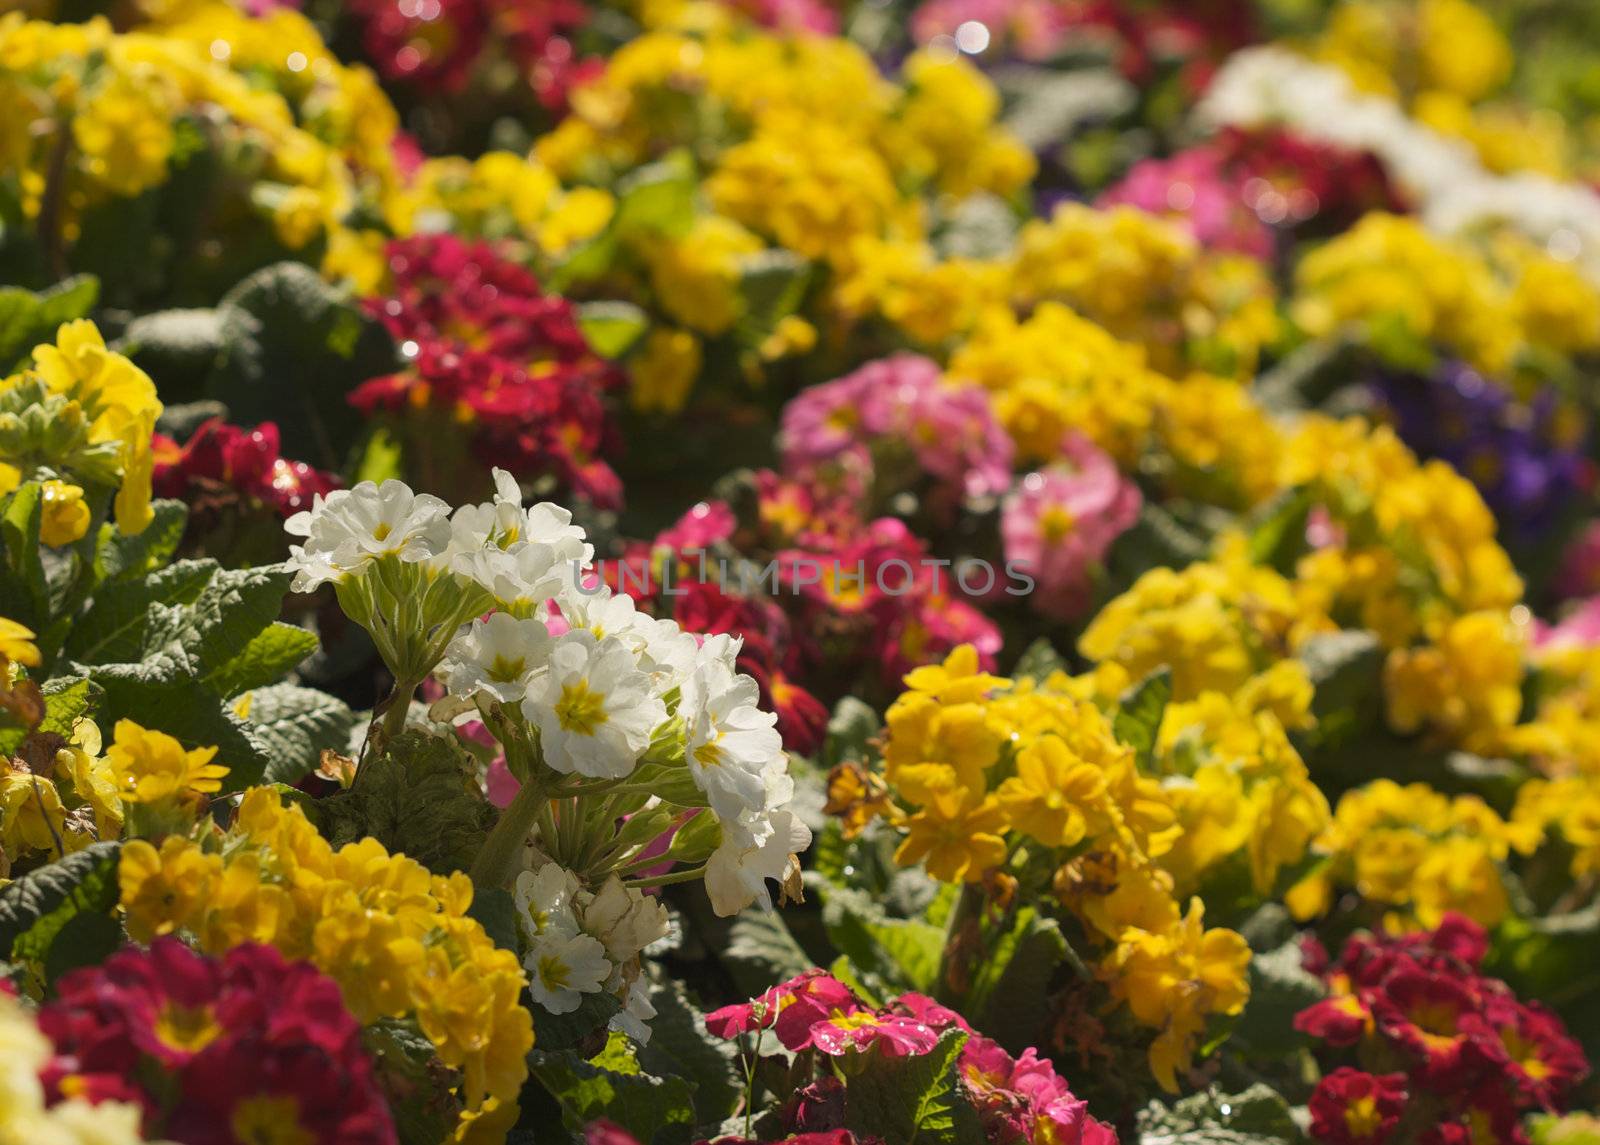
point(1412, 545)
point(1141, 278)
point(1563, 735)
point(1446, 61)
point(987, 767)
point(1149, 282)
point(81, 795)
point(1388, 276)
point(1236, 782)
point(396, 938)
point(1569, 807)
point(1056, 371)
point(1213, 624)
point(111, 113)
point(82, 415)
point(1417, 852)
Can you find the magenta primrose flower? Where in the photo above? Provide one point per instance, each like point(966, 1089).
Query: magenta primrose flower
point(1058, 523)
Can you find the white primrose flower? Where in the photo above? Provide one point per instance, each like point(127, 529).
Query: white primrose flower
point(350, 528)
point(634, 1017)
point(498, 656)
point(731, 745)
point(564, 967)
point(594, 708)
point(625, 919)
point(751, 852)
point(504, 524)
point(547, 901)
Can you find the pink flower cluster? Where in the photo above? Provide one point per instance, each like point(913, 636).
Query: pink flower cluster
point(1058, 523)
point(491, 353)
point(1018, 1100)
point(1239, 189)
point(1467, 1056)
point(894, 413)
point(221, 460)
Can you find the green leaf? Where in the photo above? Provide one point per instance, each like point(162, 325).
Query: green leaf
point(1278, 530)
point(1005, 993)
point(573, 1030)
point(28, 318)
point(421, 797)
point(293, 725)
point(1254, 1117)
point(272, 652)
point(118, 555)
point(86, 939)
point(178, 347)
point(495, 909)
point(22, 571)
point(901, 952)
point(1137, 722)
point(1346, 669)
point(35, 908)
point(915, 1098)
point(1280, 987)
point(653, 1109)
point(679, 1045)
point(657, 199)
point(417, 1088)
point(772, 284)
point(113, 628)
point(761, 951)
point(612, 328)
point(293, 348)
point(233, 608)
point(851, 728)
point(1038, 660)
point(66, 698)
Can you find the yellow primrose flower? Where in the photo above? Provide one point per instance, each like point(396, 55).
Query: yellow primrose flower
point(1055, 796)
point(163, 891)
point(16, 644)
point(1172, 981)
point(65, 518)
point(957, 838)
point(664, 370)
point(152, 766)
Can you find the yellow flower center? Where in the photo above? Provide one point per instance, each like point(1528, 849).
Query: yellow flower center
point(1055, 523)
point(581, 710)
point(553, 973)
point(504, 671)
point(187, 1028)
point(1362, 1118)
point(382, 531)
point(710, 754)
point(263, 1120)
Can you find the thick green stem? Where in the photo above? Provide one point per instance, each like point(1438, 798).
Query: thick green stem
point(497, 861)
point(394, 720)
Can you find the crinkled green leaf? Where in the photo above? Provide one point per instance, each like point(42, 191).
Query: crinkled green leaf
point(416, 1084)
point(22, 580)
point(576, 1030)
point(761, 951)
point(914, 1097)
point(1280, 987)
point(37, 905)
point(233, 608)
point(271, 653)
point(656, 1110)
point(419, 796)
point(851, 728)
point(113, 628)
point(1137, 722)
point(899, 951)
point(294, 725)
point(679, 1044)
point(118, 555)
point(1254, 1117)
point(1005, 993)
point(1038, 660)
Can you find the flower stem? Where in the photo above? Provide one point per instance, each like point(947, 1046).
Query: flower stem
point(497, 860)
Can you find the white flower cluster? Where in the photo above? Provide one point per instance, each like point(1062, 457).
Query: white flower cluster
point(515, 553)
point(599, 682)
point(585, 943)
point(1456, 195)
